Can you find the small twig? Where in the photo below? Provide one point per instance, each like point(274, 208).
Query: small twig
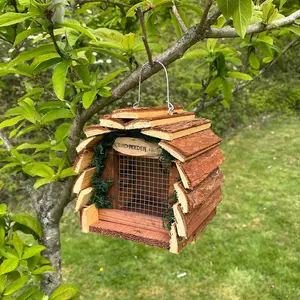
point(6, 143)
point(201, 27)
point(178, 17)
point(51, 32)
point(142, 21)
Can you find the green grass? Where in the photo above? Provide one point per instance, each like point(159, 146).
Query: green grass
point(251, 250)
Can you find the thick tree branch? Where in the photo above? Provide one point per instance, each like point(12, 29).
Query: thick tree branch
point(256, 28)
point(177, 16)
point(145, 41)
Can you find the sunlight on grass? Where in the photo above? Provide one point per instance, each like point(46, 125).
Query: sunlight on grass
point(251, 250)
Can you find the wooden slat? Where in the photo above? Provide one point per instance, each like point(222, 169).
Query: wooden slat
point(197, 169)
point(177, 130)
point(131, 218)
point(83, 198)
point(192, 145)
point(144, 112)
point(132, 233)
point(84, 180)
point(187, 223)
point(95, 130)
point(190, 200)
point(178, 243)
point(89, 215)
point(108, 121)
point(83, 160)
point(160, 120)
point(89, 142)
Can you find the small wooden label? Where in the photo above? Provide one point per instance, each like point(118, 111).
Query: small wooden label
point(136, 147)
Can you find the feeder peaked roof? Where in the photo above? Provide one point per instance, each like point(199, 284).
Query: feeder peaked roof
point(197, 156)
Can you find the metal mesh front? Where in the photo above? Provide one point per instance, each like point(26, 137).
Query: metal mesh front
point(143, 185)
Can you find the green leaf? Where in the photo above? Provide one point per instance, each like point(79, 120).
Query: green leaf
point(9, 265)
point(193, 104)
point(3, 209)
point(11, 122)
point(61, 113)
point(213, 85)
point(3, 280)
point(33, 250)
point(62, 131)
point(105, 91)
point(44, 145)
point(88, 98)
point(47, 64)
point(254, 61)
point(227, 90)
point(84, 74)
point(18, 244)
point(15, 285)
point(59, 78)
point(67, 173)
point(242, 16)
point(34, 52)
point(128, 41)
point(239, 75)
point(64, 292)
point(25, 34)
point(39, 169)
point(41, 182)
point(11, 18)
point(43, 269)
point(282, 2)
point(29, 222)
point(225, 103)
point(227, 7)
point(268, 59)
point(27, 293)
point(78, 27)
point(110, 77)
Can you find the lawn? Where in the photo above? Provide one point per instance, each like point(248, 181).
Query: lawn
point(251, 250)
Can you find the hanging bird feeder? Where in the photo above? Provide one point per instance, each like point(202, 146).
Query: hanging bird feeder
point(149, 175)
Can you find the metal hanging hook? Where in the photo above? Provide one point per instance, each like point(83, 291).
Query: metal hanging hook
point(170, 105)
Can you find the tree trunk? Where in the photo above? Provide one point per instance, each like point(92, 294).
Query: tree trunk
point(49, 203)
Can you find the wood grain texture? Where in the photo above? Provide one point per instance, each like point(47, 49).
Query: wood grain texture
point(197, 169)
point(83, 198)
point(83, 160)
point(89, 215)
point(177, 243)
point(111, 173)
point(192, 145)
point(190, 200)
point(177, 130)
point(84, 180)
point(160, 120)
point(88, 143)
point(188, 223)
point(144, 112)
point(133, 232)
point(95, 130)
point(108, 121)
point(132, 218)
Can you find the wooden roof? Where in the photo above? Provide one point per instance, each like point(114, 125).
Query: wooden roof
point(197, 156)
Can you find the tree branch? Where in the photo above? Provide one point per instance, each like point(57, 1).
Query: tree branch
point(145, 41)
point(256, 28)
point(179, 19)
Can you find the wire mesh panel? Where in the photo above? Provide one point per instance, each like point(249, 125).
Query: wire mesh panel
point(143, 185)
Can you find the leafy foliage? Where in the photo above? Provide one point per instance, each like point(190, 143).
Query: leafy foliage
point(21, 264)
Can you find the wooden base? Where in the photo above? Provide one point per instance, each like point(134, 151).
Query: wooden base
point(132, 226)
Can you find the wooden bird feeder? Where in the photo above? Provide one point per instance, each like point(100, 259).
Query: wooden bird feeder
point(142, 195)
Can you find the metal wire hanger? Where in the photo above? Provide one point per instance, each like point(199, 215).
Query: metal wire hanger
point(170, 105)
